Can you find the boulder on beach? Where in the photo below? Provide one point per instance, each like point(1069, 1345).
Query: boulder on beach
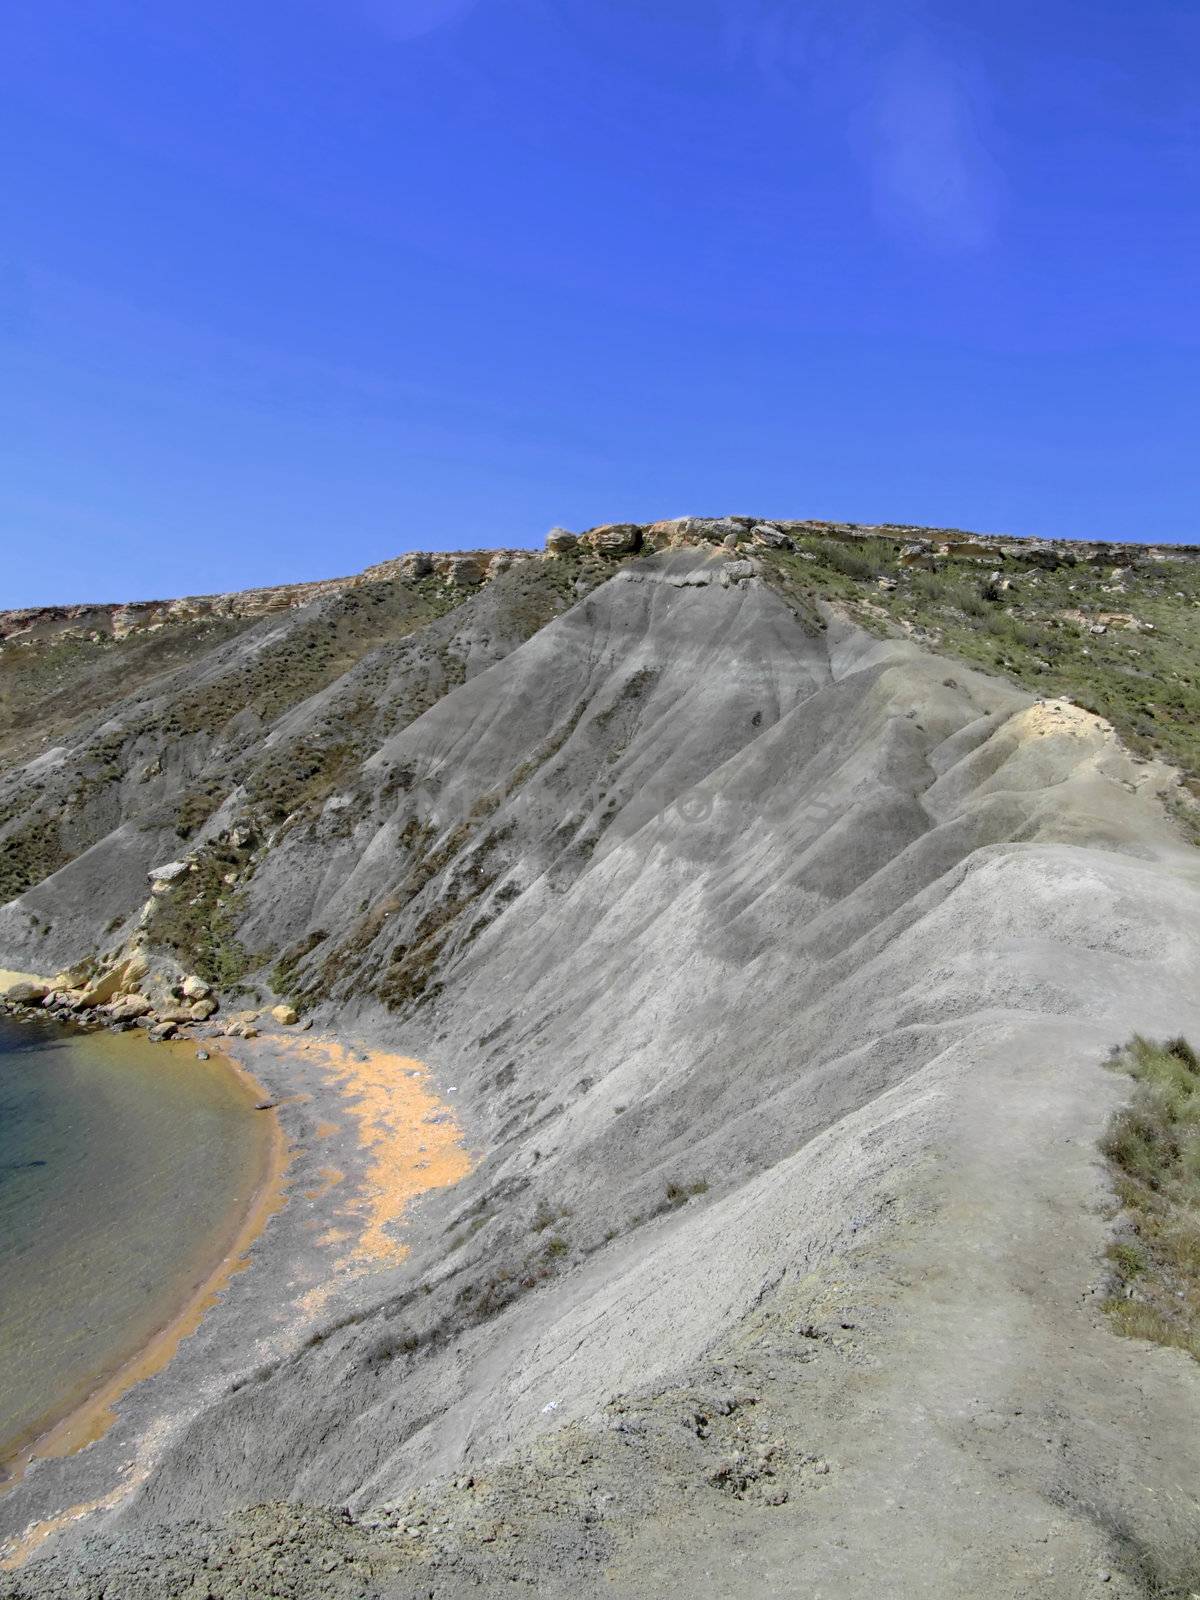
point(287, 1015)
point(195, 988)
point(129, 1006)
point(177, 1012)
point(114, 982)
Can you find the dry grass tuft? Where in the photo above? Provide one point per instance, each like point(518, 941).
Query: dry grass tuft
point(1153, 1147)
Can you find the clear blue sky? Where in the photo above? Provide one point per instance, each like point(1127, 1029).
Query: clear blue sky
point(286, 288)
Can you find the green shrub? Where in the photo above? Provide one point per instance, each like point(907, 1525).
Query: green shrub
point(1153, 1149)
point(196, 918)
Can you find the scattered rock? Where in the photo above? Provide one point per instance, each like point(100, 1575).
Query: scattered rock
point(128, 1007)
point(287, 1015)
point(712, 530)
point(203, 1009)
point(615, 539)
point(764, 533)
point(918, 553)
point(102, 990)
point(162, 877)
point(464, 572)
point(417, 565)
point(196, 988)
point(1046, 557)
point(161, 1031)
point(136, 967)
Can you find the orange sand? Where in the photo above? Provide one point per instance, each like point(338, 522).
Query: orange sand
point(330, 1178)
point(414, 1141)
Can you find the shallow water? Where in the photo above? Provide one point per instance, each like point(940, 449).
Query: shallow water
point(125, 1170)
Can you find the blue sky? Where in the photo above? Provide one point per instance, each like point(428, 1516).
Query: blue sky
point(288, 288)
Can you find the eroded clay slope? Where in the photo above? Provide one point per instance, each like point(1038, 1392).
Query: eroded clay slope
point(773, 967)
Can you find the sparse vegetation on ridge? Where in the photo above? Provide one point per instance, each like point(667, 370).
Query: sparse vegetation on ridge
point(1153, 1150)
point(1121, 639)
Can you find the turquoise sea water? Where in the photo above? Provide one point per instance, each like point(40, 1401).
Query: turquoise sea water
point(125, 1171)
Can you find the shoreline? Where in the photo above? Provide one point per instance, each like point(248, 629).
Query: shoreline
point(89, 1419)
point(360, 1133)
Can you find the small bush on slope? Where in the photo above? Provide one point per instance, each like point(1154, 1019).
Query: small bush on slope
point(1153, 1149)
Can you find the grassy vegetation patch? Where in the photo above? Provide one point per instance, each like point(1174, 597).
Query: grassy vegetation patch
point(1120, 640)
point(196, 805)
point(308, 656)
point(1153, 1149)
point(300, 776)
point(48, 689)
point(196, 918)
point(29, 854)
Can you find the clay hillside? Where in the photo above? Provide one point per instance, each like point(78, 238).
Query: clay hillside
point(765, 901)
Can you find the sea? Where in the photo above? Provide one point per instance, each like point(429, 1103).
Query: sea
point(126, 1172)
